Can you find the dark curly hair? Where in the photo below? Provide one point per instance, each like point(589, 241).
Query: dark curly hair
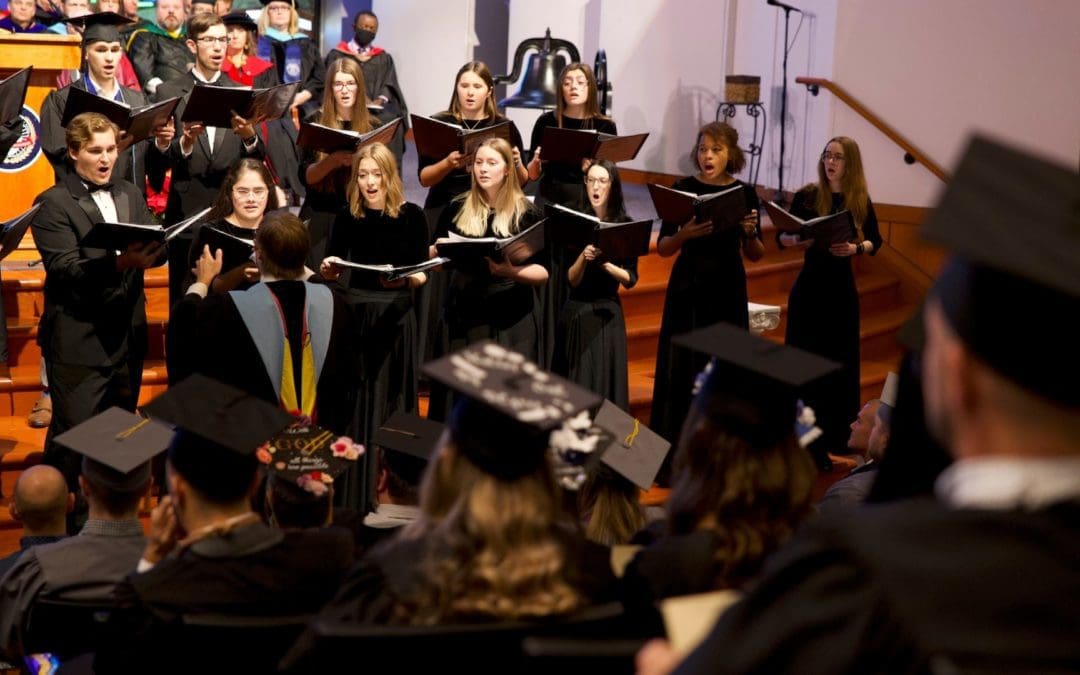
point(726, 134)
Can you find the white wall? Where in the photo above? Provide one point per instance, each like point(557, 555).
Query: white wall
point(429, 41)
point(938, 71)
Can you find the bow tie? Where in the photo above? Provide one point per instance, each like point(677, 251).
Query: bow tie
point(94, 187)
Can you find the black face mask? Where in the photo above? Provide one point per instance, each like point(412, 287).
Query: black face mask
point(363, 37)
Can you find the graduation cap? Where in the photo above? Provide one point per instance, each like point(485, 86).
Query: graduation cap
point(1012, 223)
point(408, 441)
point(266, 3)
point(632, 450)
point(508, 407)
point(117, 447)
point(753, 384)
point(100, 27)
point(309, 457)
point(218, 430)
point(239, 17)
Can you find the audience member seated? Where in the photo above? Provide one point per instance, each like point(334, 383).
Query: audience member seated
point(741, 483)
point(40, 504)
point(981, 578)
point(294, 54)
point(285, 340)
point(158, 50)
point(207, 551)
point(491, 541)
point(115, 477)
point(21, 18)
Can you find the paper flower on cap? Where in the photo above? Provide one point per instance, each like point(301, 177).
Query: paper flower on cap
point(571, 446)
point(345, 448)
point(316, 482)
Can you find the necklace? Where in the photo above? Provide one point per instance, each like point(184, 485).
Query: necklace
point(472, 124)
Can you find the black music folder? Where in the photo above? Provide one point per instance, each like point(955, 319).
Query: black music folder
point(12, 231)
point(235, 251)
point(139, 123)
point(616, 241)
point(324, 139)
point(517, 249)
point(214, 106)
point(118, 236)
point(570, 146)
point(725, 208)
point(13, 94)
point(835, 228)
point(439, 139)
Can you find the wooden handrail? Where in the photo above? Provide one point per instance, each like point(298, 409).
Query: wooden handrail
point(813, 83)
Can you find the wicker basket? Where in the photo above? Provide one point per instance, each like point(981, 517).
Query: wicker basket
point(742, 89)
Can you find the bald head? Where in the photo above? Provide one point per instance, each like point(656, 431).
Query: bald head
point(41, 500)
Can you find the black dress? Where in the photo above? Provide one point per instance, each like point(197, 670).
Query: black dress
point(432, 295)
point(386, 320)
point(563, 184)
point(823, 318)
point(590, 342)
point(322, 202)
point(707, 286)
point(480, 306)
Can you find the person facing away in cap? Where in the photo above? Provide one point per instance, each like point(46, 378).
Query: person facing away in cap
point(230, 337)
point(983, 577)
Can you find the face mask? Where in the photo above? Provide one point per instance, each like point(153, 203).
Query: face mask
point(363, 37)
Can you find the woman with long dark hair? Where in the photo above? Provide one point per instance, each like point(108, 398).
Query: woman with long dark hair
point(590, 344)
point(823, 308)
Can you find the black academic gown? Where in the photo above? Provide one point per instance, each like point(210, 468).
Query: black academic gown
point(156, 55)
point(823, 318)
point(196, 179)
point(909, 588)
point(130, 164)
point(207, 335)
point(480, 306)
point(312, 71)
point(386, 320)
point(255, 572)
point(707, 286)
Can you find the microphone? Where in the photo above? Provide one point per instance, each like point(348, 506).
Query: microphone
point(789, 8)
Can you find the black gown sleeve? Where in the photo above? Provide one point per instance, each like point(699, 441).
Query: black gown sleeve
point(871, 231)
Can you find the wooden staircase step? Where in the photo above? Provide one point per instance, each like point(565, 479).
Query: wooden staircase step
point(23, 286)
point(21, 389)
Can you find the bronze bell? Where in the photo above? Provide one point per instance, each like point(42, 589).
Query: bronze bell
point(540, 86)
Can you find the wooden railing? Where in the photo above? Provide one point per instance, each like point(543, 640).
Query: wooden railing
point(911, 153)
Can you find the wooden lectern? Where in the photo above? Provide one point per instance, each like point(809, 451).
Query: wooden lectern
point(25, 172)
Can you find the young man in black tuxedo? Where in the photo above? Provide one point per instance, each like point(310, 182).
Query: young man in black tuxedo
point(200, 156)
point(93, 329)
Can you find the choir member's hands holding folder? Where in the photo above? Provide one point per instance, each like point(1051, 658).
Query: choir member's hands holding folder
point(138, 245)
point(831, 232)
point(610, 241)
point(571, 146)
point(213, 106)
point(324, 139)
point(701, 215)
point(442, 139)
point(515, 250)
point(135, 124)
point(390, 276)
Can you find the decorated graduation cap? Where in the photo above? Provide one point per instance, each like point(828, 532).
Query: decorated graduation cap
point(754, 384)
point(1012, 223)
point(507, 407)
point(100, 27)
point(309, 457)
point(117, 447)
point(218, 430)
point(239, 17)
point(407, 442)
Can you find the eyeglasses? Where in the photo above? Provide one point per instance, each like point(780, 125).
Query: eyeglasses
point(278, 8)
point(597, 181)
point(828, 156)
point(245, 192)
point(341, 86)
point(208, 41)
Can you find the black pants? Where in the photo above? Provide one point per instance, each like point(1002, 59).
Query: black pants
point(79, 393)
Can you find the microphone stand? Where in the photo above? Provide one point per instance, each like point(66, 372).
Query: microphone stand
point(783, 97)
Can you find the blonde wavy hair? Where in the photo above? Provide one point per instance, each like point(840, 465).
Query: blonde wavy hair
point(294, 19)
point(395, 193)
point(852, 184)
point(510, 203)
point(492, 549)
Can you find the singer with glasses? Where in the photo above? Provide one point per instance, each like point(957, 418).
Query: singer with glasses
point(823, 308)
